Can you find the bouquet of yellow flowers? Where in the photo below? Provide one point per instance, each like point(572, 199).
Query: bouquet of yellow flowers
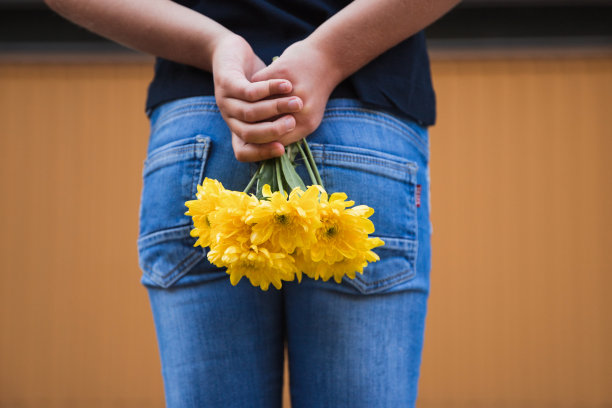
point(285, 229)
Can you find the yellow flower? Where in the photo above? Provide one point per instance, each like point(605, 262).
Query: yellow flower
point(342, 246)
point(259, 265)
point(346, 266)
point(279, 237)
point(209, 199)
point(285, 222)
point(229, 227)
point(349, 266)
point(231, 246)
point(305, 264)
point(210, 188)
point(344, 232)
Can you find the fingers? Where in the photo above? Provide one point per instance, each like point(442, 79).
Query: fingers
point(251, 117)
point(257, 113)
point(260, 75)
point(248, 152)
point(261, 132)
point(262, 110)
point(268, 72)
point(238, 87)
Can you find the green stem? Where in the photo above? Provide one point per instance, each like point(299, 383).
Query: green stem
point(252, 181)
point(313, 179)
point(279, 179)
point(312, 163)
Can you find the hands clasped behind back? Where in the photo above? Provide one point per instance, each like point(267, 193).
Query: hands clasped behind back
point(267, 108)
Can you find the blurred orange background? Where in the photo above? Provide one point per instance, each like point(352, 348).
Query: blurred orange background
point(519, 312)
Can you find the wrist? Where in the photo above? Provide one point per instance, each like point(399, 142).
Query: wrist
point(335, 60)
point(220, 41)
point(331, 69)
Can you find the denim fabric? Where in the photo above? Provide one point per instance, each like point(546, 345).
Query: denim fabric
point(354, 344)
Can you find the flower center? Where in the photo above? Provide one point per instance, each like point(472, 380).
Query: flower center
point(281, 219)
point(331, 231)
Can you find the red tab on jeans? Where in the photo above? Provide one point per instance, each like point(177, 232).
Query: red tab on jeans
point(418, 195)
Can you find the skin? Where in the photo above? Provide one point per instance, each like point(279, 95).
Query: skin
point(266, 108)
point(316, 65)
point(177, 33)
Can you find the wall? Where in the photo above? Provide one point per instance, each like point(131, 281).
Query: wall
point(521, 192)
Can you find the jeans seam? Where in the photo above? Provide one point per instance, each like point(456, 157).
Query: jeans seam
point(355, 158)
point(198, 171)
point(190, 108)
point(411, 256)
point(165, 154)
point(177, 267)
point(407, 169)
point(383, 118)
point(163, 235)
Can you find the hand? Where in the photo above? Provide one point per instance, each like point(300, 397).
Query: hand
point(313, 78)
point(255, 120)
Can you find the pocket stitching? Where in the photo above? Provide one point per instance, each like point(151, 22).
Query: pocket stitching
point(199, 152)
point(194, 257)
point(157, 159)
point(381, 284)
point(180, 111)
point(401, 171)
point(405, 170)
point(359, 158)
point(381, 119)
point(407, 245)
point(163, 235)
point(173, 154)
point(385, 159)
point(203, 145)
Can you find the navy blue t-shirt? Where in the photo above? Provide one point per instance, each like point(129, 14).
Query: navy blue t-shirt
point(399, 80)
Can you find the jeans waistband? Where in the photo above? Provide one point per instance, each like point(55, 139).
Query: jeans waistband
point(334, 108)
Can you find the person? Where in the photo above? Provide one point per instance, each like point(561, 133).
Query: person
point(352, 77)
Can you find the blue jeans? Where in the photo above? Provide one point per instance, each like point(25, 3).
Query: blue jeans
point(354, 344)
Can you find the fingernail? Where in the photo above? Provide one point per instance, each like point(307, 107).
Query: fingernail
point(295, 104)
point(289, 124)
point(284, 87)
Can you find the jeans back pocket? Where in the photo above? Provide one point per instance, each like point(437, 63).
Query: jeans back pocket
point(170, 177)
point(387, 183)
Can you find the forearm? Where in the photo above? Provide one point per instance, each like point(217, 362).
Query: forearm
point(365, 29)
point(159, 27)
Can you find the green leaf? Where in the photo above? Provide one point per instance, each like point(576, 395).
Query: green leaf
point(280, 172)
point(290, 176)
